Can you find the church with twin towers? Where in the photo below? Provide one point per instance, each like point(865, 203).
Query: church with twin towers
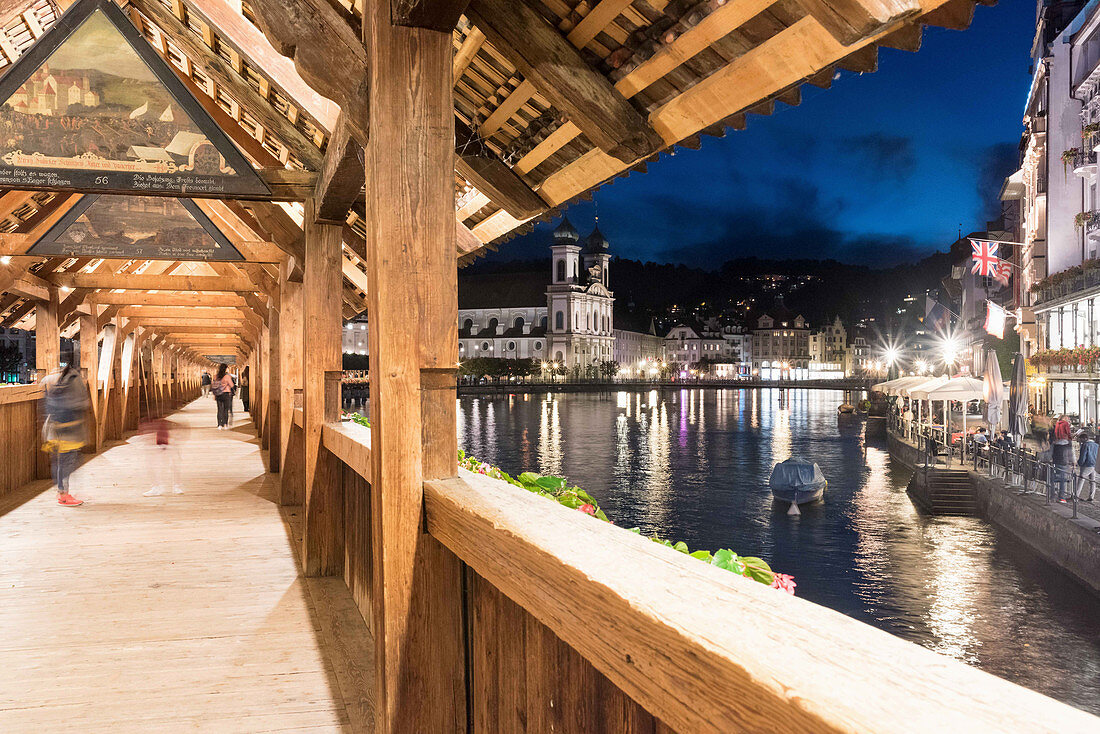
point(567, 318)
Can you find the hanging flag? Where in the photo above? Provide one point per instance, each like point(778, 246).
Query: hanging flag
point(1003, 272)
point(994, 320)
point(935, 314)
point(984, 256)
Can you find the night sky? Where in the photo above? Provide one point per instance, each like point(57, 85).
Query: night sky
point(880, 169)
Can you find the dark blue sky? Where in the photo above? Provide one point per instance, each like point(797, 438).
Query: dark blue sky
point(879, 169)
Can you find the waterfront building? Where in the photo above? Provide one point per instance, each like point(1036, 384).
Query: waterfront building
point(723, 351)
point(636, 346)
point(1045, 197)
point(23, 342)
point(781, 344)
point(567, 318)
point(1057, 291)
point(355, 337)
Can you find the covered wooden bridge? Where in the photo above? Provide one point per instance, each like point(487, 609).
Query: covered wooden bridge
point(190, 179)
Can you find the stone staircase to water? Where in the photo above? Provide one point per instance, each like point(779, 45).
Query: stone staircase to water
point(944, 491)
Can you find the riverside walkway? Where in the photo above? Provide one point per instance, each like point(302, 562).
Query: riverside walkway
point(174, 613)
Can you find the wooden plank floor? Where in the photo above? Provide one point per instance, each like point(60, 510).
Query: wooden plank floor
point(174, 613)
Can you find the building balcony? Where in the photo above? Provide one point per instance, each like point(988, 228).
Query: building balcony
point(1082, 161)
point(1056, 288)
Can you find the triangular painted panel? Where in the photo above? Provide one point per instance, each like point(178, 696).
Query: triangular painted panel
point(145, 227)
point(92, 106)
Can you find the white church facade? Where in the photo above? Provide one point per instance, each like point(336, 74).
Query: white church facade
point(568, 320)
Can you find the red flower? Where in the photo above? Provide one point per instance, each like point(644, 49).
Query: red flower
point(783, 581)
point(588, 509)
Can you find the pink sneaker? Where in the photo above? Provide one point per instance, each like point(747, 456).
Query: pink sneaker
point(67, 500)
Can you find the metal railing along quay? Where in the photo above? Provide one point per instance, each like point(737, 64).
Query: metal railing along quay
point(1033, 472)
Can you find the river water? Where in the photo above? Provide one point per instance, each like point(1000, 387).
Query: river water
point(693, 465)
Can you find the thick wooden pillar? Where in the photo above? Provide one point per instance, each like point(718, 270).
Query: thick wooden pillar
point(292, 481)
point(272, 394)
point(418, 629)
point(322, 308)
point(89, 367)
point(47, 336)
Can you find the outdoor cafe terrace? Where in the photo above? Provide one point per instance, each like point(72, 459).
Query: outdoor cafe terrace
point(271, 167)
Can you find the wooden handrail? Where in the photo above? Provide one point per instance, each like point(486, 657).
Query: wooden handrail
point(350, 442)
point(19, 393)
point(705, 650)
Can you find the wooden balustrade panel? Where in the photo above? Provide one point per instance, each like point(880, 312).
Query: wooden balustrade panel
point(524, 678)
point(357, 542)
point(19, 436)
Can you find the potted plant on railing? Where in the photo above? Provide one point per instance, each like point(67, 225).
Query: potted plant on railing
point(1086, 220)
point(1089, 133)
point(1069, 158)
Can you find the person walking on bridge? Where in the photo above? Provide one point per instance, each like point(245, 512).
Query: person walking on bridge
point(1086, 466)
point(64, 432)
point(205, 383)
point(222, 387)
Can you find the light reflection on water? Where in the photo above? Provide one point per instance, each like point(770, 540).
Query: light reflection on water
point(693, 465)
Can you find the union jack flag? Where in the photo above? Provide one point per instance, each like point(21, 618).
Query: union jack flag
point(985, 257)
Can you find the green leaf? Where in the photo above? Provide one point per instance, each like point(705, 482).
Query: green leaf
point(702, 555)
point(551, 483)
point(757, 570)
point(681, 546)
point(528, 477)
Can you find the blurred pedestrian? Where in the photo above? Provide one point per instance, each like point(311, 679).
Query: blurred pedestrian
point(64, 432)
point(1086, 465)
point(244, 389)
point(205, 383)
point(163, 437)
point(222, 387)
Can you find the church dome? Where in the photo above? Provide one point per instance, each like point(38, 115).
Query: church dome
point(566, 233)
point(596, 242)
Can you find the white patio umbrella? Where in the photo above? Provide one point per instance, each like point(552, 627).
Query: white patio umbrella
point(916, 390)
point(962, 389)
point(994, 392)
point(897, 386)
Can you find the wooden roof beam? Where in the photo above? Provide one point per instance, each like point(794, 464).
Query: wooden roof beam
point(559, 72)
point(436, 15)
point(225, 76)
point(127, 281)
point(327, 50)
point(491, 176)
point(852, 21)
point(131, 298)
point(340, 182)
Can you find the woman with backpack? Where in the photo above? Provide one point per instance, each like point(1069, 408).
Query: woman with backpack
point(64, 432)
point(222, 387)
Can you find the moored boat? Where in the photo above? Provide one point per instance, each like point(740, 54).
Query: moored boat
point(797, 481)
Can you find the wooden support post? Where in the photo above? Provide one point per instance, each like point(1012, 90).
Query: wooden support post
point(272, 394)
point(47, 336)
point(89, 366)
point(292, 484)
point(322, 286)
point(418, 630)
point(47, 357)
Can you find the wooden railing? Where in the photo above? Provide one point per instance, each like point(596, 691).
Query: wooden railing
point(19, 440)
point(576, 625)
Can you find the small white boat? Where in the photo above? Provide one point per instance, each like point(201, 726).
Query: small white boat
point(797, 481)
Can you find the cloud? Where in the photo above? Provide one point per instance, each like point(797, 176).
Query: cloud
point(798, 223)
point(883, 155)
